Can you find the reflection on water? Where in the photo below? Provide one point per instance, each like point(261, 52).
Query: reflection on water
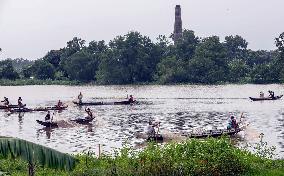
point(178, 108)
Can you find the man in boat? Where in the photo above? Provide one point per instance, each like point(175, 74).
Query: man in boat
point(232, 123)
point(261, 94)
point(80, 97)
point(48, 117)
point(131, 99)
point(59, 104)
point(6, 101)
point(150, 130)
point(271, 94)
point(20, 104)
point(90, 114)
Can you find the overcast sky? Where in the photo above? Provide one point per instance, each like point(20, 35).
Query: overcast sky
point(30, 28)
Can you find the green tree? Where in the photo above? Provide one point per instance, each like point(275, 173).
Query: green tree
point(82, 66)
point(186, 45)
point(238, 70)
point(171, 70)
point(130, 59)
point(7, 70)
point(35, 154)
point(53, 57)
point(236, 47)
point(43, 70)
point(209, 64)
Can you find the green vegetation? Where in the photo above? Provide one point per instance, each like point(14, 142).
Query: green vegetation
point(135, 59)
point(35, 154)
point(192, 157)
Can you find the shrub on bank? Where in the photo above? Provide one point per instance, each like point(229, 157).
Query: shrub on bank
point(192, 157)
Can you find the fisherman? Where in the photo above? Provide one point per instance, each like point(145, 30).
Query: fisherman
point(271, 94)
point(232, 123)
point(90, 114)
point(131, 99)
point(150, 130)
point(20, 104)
point(80, 97)
point(261, 94)
point(48, 117)
point(59, 104)
point(6, 101)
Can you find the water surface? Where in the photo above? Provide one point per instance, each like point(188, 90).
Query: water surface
point(178, 108)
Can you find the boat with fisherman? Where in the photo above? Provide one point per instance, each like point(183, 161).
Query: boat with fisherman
point(270, 97)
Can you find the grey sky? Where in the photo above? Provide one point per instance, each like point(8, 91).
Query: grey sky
point(30, 28)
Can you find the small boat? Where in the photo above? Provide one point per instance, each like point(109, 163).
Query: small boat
point(83, 121)
point(21, 110)
point(50, 108)
point(38, 109)
point(156, 138)
point(10, 106)
point(266, 98)
point(104, 103)
point(213, 133)
point(47, 124)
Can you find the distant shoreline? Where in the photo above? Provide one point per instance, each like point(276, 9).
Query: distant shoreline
point(27, 82)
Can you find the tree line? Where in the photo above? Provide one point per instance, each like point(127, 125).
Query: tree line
point(136, 59)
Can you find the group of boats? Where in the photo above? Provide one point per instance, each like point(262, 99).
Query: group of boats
point(156, 137)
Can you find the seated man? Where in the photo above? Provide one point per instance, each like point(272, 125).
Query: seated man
point(48, 117)
point(6, 101)
point(131, 99)
point(90, 114)
point(150, 130)
point(232, 123)
point(59, 104)
point(20, 104)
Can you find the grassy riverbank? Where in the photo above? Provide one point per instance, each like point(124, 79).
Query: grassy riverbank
point(193, 157)
point(23, 82)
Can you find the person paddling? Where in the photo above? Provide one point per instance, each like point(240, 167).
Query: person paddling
point(59, 104)
point(48, 117)
point(150, 130)
point(90, 114)
point(6, 101)
point(131, 99)
point(20, 104)
point(232, 123)
point(80, 97)
point(271, 94)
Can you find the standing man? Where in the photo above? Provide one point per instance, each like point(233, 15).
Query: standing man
point(80, 97)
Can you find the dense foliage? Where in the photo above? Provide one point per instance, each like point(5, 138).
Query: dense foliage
point(193, 157)
point(135, 59)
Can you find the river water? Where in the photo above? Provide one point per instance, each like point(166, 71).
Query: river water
point(178, 108)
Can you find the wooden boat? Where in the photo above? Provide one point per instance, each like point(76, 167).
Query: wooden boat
point(266, 98)
point(213, 133)
point(103, 103)
point(156, 138)
point(83, 121)
point(54, 108)
point(20, 110)
point(47, 124)
point(10, 106)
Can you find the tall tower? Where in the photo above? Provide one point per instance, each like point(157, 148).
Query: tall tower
point(178, 24)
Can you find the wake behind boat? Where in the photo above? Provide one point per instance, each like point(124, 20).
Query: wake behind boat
point(266, 98)
point(103, 103)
